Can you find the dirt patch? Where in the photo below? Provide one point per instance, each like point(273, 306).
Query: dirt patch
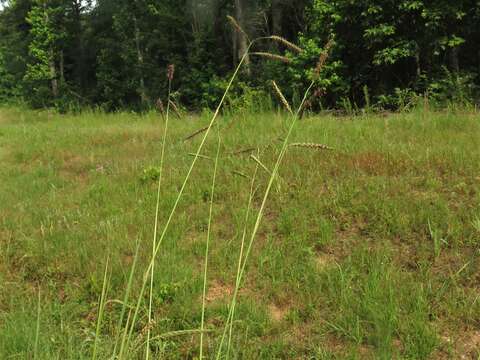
point(3, 118)
point(338, 345)
point(218, 291)
point(324, 261)
point(277, 312)
point(74, 166)
point(469, 345)
point(375, 163)
point(465, 345)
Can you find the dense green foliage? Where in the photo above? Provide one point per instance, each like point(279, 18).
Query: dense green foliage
point(113, 53)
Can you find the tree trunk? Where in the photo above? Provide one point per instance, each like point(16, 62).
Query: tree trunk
point(51, 60)
point(79, 52)
point(276, 13)
point(143, 94)
point(53, 73)
point(62, 67)
point(242, 43)
point(276, 17)
point(417, 60)
point(455, 64)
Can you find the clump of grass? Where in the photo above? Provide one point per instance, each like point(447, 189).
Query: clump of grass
point(180, 193)
point(438, 240)
point(150, 173)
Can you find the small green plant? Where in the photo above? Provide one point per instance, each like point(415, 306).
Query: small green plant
point(455, 88)
point(166, 292)
point(438, 240)
point(476, 223)
point(401, 99)
point(151, 173)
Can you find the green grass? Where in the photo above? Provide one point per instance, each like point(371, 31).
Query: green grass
point(368, 251)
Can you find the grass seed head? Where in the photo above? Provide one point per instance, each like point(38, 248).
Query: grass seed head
point(273, 57)
point(282, 98)
point(170, 72)
point(323, 58)
point(237, 26)
point(286, 43)
point(159, 106)
point(313, 146)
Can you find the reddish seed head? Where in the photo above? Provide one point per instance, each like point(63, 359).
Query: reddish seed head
point(170, 71)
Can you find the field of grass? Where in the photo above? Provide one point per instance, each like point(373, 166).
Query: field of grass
point(367, 251)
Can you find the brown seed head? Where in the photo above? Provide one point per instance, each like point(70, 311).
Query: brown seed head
point(273, 57)
point(159, 105)
point(170, 72)
point(286, 43)
point(323, 58)
point(312, 146)
point(282, 98)
point(237, 26)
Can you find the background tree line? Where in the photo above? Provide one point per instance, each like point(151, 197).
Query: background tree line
point(113, 53)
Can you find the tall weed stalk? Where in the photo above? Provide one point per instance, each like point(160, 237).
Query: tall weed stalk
point(274, 174)
point(180, 194)
point(207, 248)
point(170, 74)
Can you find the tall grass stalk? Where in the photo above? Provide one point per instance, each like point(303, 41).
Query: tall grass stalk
point(259, 218)
point(157, 209)
point(125, 305)
point(204, 296)
point(182, 189)
point(37, 331)
point(124, 336)
point(242, 247)
point(101, 309)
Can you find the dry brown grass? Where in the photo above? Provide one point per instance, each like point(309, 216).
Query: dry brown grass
point(278, 312)
point(218, 291)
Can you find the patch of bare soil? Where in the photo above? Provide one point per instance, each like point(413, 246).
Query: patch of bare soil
point(277, 312)
point(469, 345)
point(465, 346)
point(324, 261)
point(218, 291)
point(376, 163)
point(74, 166)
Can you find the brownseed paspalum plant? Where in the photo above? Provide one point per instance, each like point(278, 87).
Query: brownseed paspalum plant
point(259, 217)
point(160, 235)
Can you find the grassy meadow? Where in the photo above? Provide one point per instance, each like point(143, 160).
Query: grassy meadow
point(368, 250)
